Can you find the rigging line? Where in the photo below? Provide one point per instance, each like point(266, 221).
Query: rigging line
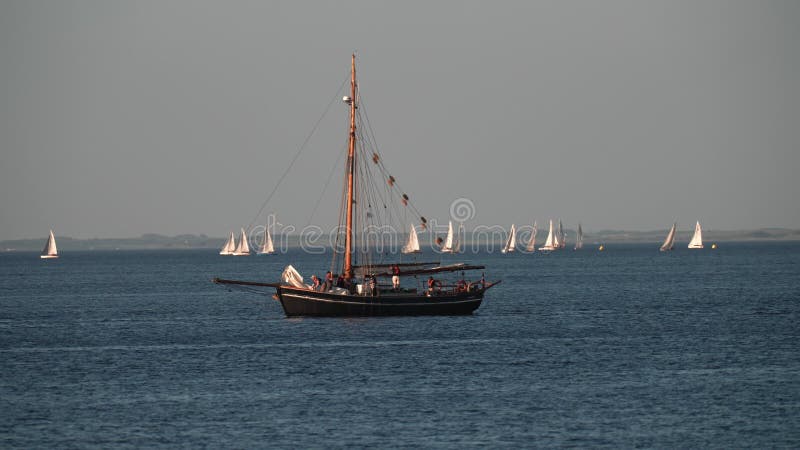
point(296, 155)
point(371, 134)
point(370, 137)
point(324, 189)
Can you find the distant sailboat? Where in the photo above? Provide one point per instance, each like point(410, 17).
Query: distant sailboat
point(579, 238)
point(50, 250)
point(531, 247)
point(459, 238)
point(669, 242)
point(562, 238)
point(412, 246)
point(243, 249)
point(511, 242)
point(551, 243)
point(266, 247)
point(229, 247)
point(697, 239)
point(449, 241)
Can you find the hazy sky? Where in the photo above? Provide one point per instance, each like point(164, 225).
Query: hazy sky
point(119, 118)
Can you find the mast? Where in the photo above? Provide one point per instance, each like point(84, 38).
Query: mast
point(351, 164)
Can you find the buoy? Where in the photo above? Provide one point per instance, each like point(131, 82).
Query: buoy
point(600, 248)
point(713, 246)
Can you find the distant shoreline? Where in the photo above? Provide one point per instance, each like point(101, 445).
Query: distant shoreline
point(189, 241)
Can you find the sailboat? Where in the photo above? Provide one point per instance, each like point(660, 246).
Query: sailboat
point(266, 246)
point(562, 238)
point(460, 236)
point(412, 246)
point(669, 242)
point(531, 247)
point(551, 243)
point(229, 247)
point(697, 239)
point(579, 238)
point(511, 242)
point(50, 250)
point(243, 249)
point(356, 291)
point(451, 241)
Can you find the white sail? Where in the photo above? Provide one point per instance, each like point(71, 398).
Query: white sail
point(669, 242)
point(266, 246)
point(229, 247)
point(50, 250)
point(579, 238)
point(551, 243)
point(412, 246)
point(697, 239)
point(448, 241)
point(458, 238)
point(292, 277)
point(243, 249)
point(531, 247)
point(511, 242)
point(562, 238)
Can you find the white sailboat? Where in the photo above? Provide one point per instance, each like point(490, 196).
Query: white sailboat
point(579, 238)
point(266, 247)
point(243, 249)
point(412, 246)
point(50, 250)
point(669, 242)
point(459, 238)
point(697, 239)
point(229, 247)
point(511, 242)
point(531, 247)
point(551, 243)
point(447, 247)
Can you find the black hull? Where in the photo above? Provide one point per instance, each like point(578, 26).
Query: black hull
point(302, 302)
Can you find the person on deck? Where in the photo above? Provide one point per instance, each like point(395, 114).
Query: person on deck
point(433, 286)
point(315, 283)
point(328, 283)
point(395, 277)
point(373, 286)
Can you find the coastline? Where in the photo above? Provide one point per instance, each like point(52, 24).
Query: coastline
point(196, 242)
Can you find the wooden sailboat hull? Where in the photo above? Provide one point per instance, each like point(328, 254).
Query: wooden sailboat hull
point(302, 302)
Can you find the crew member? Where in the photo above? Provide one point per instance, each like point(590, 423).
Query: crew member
point(395, 277)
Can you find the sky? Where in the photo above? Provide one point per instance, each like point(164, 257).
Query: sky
point(123, 118)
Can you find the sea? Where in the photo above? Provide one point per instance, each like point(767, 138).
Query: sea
point(621, 348)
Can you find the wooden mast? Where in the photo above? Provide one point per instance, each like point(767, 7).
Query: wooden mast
point(351, 164)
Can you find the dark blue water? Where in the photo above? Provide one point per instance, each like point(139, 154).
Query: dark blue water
point(628, 347)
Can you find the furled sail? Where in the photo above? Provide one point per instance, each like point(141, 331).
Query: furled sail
point(229, 247)
point(412, 246)
point(697, 239)
point(50, 250)
point(531, 247)
point(579, 238)
point(511, 242)
point(243, 249)
point(669, 242)
point(292, 277)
